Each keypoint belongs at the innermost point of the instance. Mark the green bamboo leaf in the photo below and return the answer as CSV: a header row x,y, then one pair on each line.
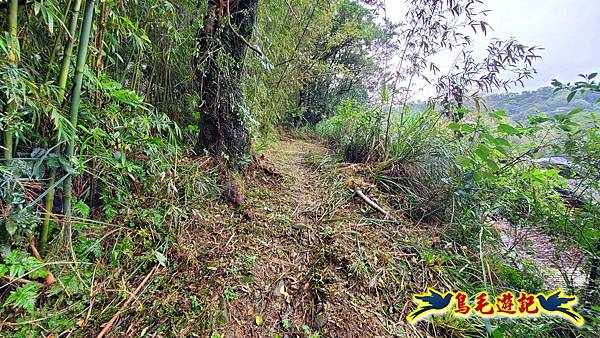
x,y
502,150
467,128
3,270
454,126
50,22
492,164
499,141
507,129
575,111
482,151
499,114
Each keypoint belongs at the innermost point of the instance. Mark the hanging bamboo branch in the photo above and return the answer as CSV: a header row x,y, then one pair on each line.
x,y
84,40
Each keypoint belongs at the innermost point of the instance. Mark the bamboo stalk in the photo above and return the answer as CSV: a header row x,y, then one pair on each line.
x,y
100,47
13,11
8,139
66,62
47,213
84,40
62,85
12,57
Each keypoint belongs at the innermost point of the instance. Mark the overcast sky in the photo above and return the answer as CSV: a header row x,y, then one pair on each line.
x,y
568,30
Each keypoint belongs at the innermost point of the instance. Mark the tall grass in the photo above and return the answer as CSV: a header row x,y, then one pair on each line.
x,y
355,131
418,165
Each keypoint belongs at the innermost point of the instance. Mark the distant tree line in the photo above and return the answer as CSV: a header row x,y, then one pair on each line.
x,y
543,100
520,105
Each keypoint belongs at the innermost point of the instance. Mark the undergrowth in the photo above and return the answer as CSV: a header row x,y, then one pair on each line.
x,y
136,191
465,175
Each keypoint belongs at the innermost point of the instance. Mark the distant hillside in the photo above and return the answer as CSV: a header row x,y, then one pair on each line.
x,y
543,100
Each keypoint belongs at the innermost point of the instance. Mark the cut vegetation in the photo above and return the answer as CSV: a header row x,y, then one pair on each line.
x,y
245,168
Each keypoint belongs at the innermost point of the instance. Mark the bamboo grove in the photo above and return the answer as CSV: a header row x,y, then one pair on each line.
x,y
68,58
127,124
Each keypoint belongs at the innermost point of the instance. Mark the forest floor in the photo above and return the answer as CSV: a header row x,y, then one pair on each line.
x,y
304,258
314,259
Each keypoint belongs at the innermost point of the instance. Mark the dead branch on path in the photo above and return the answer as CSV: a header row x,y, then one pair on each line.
x,y
369,201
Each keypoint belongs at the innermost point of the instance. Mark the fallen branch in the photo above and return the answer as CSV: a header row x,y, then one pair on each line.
x,y
370,202
110,323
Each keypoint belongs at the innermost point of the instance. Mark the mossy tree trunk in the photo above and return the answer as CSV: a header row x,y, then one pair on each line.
x,y
222,45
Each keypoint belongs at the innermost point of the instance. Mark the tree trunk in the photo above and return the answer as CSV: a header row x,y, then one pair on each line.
x,y
222,45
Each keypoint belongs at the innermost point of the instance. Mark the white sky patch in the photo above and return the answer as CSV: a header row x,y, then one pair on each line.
x,y
569,32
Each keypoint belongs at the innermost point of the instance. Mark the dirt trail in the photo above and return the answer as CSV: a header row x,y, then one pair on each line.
x,y
315,261
308,263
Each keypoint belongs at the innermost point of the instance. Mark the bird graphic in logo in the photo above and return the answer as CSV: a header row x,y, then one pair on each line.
x,y
430,303
560,304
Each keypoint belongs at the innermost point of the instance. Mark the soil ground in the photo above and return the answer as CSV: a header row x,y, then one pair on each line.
x,y
314,259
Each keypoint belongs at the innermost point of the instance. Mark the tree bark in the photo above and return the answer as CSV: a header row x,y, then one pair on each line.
x,y
222,46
